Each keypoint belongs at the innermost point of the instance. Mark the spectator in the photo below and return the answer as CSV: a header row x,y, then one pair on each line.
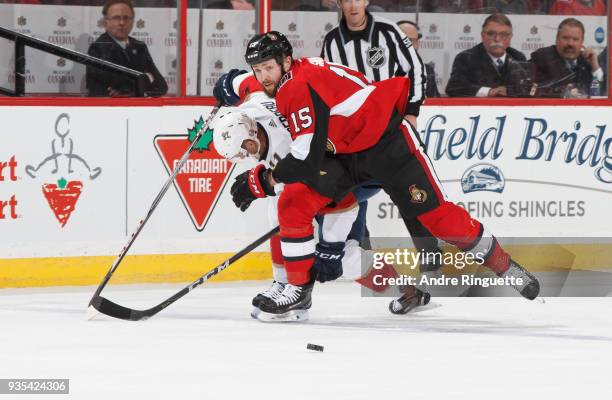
x,y
511,6
413,33
578,7
491,68
115,45
566,62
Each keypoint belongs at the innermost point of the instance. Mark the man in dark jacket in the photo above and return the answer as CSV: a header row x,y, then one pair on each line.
x,y
115,45
567,66
492,68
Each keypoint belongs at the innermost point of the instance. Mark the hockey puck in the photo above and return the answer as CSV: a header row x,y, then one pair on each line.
x,y
314,347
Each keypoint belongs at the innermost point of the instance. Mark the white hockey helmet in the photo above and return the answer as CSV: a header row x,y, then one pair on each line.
x,y
231,130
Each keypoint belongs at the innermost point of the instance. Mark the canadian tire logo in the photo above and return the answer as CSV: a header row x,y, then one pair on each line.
x,y
201,180
67,165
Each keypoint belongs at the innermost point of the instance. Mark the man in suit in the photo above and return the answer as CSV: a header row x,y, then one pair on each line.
x,y
491,68
566,66
115,45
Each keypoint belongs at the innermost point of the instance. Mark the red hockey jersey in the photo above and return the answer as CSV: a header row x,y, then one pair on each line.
x,y
320,98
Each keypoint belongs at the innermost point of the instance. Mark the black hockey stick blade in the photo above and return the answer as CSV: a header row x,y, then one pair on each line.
x,y
115,310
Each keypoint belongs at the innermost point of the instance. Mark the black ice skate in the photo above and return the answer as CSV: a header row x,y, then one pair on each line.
x,y
411,299
271,293
530,287
292,304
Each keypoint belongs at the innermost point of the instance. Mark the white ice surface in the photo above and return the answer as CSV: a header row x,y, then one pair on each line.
x,y
206,346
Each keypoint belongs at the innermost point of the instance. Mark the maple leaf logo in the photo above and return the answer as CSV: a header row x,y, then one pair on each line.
x,y
205,140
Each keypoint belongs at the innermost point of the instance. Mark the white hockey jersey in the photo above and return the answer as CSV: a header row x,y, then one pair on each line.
x,y
263,109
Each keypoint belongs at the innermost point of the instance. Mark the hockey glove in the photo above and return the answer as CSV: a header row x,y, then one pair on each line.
x,y
250,185
224,91
327,265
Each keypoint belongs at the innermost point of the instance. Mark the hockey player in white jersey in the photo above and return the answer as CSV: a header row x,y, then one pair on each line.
x,y
255,130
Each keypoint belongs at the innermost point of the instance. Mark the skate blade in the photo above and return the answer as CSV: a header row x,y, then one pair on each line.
x,y
428,307
290,316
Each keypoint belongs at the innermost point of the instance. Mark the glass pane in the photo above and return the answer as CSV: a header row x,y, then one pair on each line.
x,y
7,65
77,25
451,27
225,33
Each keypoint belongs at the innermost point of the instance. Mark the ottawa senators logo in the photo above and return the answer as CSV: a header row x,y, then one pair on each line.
x,y
417,195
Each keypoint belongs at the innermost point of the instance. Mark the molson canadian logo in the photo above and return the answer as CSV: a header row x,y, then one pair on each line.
x,y
68,166
203,177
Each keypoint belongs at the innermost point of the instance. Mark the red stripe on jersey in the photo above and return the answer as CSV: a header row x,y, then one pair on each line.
x,y
416,150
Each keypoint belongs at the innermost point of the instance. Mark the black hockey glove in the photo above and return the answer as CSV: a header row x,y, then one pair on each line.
x,y
224,91
250,185
328,261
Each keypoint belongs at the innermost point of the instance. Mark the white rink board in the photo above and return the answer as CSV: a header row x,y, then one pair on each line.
x,y
119,141
576,194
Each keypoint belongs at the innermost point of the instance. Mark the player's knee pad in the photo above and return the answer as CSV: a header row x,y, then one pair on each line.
x,y
328,261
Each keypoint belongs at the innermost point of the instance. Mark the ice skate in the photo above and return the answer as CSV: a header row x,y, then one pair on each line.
x,y
272,292
529,287
292,304
411,299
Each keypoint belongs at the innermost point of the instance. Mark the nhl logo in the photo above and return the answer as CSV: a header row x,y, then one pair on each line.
x,y
21,21
467,29
534,30
61,62
61,22
174,24
100,23
433,28
140,24
219,26
173,64
292,27
328,27
376,57
218,64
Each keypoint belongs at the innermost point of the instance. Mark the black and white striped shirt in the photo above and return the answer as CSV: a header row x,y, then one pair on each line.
x,y
380,51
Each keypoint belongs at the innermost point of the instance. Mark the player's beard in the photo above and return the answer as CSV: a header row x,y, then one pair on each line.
x,y
272,92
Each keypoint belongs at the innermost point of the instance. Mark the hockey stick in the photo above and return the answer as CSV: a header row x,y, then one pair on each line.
x,y
115,310
156,201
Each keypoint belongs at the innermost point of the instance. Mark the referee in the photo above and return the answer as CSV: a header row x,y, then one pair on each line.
x,y
380,50
377,48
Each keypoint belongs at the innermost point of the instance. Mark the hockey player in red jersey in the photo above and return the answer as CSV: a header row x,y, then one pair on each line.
x,y
256,131
346,132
